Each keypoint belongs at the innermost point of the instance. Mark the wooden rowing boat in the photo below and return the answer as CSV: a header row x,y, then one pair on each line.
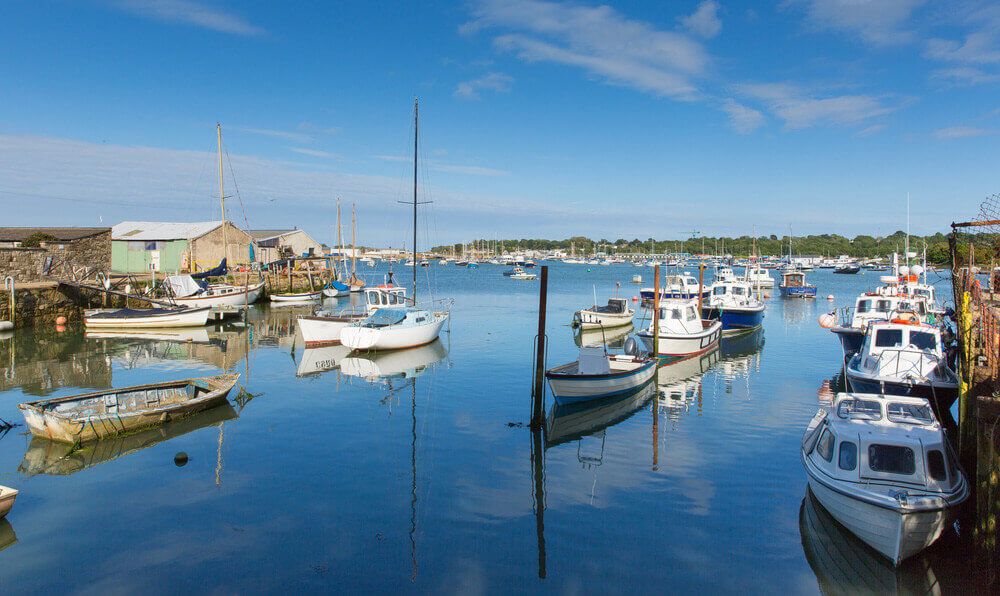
x,y
156,318
90,416
7,496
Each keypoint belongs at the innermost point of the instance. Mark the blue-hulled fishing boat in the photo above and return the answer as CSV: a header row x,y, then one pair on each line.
x,y
793,285
736,305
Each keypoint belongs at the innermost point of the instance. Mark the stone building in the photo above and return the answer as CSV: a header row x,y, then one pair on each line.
x,y
277,244
139,246
38,254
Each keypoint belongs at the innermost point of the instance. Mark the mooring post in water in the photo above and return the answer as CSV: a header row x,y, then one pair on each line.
x,y
656,311
538,395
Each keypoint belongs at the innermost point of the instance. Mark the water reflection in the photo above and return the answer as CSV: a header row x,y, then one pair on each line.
x,y
740,358
679,384
843,564
7,536
318,360
613,338
42,362
62,459
218,347
575,421
393,364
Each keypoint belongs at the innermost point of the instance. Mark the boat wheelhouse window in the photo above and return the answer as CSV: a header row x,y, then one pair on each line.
x,y
848,458
859,409
864,306
889,338
923,340
935,465
739,291
719,290
892,459
825,445
883,305
690,315
909,413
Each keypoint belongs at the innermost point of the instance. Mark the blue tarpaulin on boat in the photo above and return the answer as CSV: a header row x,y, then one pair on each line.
x,y
220,270
384,317
336,285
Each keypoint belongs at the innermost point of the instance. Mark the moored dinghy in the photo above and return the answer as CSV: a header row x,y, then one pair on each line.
x,y
597,374
296,297
615,314
7,496
137,318
89,416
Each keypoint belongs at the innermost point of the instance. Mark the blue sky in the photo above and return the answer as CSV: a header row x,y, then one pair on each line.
x,y
538,119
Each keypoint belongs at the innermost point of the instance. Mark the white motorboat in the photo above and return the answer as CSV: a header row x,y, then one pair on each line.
x,y
615,314
903,357
759,277
520,273
187,292
677,286
296,297
135,318
323,328
597,375
637,279
736,304
882,467
724,274
682,331
883,304
394,328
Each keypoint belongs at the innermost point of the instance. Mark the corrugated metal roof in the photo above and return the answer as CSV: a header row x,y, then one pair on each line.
x,y
268,234
161,230
65,234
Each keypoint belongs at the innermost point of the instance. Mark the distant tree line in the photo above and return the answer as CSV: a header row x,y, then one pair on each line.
x,y
830,245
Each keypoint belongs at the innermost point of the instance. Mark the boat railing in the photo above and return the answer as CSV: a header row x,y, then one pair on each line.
x,y
922,364
847,316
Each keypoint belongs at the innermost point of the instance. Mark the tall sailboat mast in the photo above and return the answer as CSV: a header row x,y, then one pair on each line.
x,y
222,197
416,125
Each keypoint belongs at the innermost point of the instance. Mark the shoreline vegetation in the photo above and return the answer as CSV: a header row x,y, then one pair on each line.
x,y
823,245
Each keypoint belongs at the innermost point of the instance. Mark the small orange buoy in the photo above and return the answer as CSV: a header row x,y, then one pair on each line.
x,y
60,320
60,328
635,298
830,297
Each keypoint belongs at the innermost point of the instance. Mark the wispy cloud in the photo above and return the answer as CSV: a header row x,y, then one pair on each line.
x,y
599,40
801,109
964,75
979,47
288,135
189,12
438,166
870,130
705,20
961,132
877,22
744,120
314,153
494,81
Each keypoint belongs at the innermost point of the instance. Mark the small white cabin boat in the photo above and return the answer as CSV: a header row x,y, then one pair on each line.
x,y
759,277
881,466
394,328
520,273
682,331
324,327
187,292
615,314
597,375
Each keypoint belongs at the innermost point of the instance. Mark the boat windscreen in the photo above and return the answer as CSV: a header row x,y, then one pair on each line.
x,y
909,413
923,340
384,317
859,409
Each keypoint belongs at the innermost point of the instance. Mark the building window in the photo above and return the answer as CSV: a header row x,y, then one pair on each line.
x,y
136,245
151,245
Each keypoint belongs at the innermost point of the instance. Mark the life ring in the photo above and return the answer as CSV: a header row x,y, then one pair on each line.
x,y
906,319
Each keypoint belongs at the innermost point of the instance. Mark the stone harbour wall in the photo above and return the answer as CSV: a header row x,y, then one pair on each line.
x,y
75,259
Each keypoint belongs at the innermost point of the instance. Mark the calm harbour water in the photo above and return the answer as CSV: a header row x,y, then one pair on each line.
x,y
413,470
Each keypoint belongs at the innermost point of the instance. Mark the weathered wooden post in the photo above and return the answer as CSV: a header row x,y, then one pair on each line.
x,y
538,395
656,311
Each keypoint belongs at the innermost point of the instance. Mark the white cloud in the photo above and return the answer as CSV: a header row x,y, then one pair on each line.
x,y
979,47
438,166
494,81
799,109
878,22
314,152
870,130
744,120
299,137
965,75
705,20
960,132
599,40
190,12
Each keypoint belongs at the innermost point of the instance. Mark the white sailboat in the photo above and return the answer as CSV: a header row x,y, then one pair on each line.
x,y
395,328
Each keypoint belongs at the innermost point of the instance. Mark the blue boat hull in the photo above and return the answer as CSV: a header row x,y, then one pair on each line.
x,y
798,292
735,319
850,339
941,399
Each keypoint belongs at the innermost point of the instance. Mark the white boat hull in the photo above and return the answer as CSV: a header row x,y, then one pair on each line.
x,y
895,535
238,297
568,390
322,331
304,297
685,345
392,337
335,293
594,320
182,318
